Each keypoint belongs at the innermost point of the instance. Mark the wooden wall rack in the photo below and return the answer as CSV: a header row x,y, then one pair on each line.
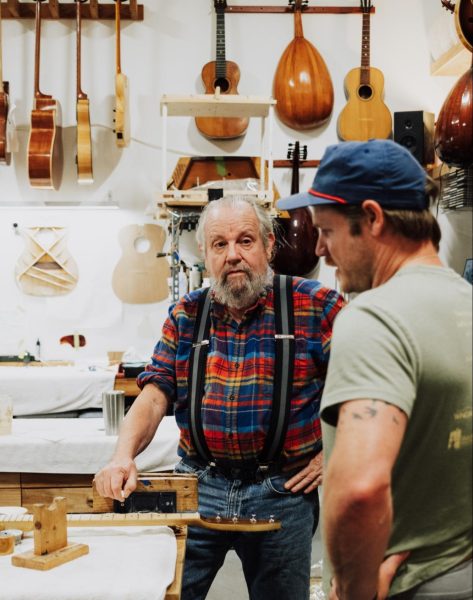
x,y
287,164
53,9
290,9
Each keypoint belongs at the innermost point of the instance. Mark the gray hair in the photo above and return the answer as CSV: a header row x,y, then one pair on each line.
x,y
266,225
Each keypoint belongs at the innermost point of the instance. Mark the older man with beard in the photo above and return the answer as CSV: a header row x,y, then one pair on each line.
x,y
248,460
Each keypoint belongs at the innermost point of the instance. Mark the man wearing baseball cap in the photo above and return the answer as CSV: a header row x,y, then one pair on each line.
x,y
397,403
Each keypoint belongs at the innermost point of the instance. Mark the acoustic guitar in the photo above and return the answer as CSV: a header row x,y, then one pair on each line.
x,y
122,91
224,75
45,158
83,137
4,154
463,10
365,115
296,236
302,84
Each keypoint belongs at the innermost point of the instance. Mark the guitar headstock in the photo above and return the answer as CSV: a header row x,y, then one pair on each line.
x,y
298,4
365,6
448,5
220,5
296,152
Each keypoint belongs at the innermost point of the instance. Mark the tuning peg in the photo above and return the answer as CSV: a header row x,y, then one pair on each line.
x,y
271,519
235,518
253,519
218,518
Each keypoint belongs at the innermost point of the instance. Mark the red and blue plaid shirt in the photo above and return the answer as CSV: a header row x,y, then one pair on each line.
x,y
236,406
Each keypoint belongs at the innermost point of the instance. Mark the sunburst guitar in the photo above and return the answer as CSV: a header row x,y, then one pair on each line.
x,y
365,115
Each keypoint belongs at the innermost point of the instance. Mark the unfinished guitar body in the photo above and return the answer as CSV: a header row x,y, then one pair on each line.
x,y
84,143
365,116
45,268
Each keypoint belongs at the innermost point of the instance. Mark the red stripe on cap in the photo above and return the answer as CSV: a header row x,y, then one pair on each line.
x,y
334,198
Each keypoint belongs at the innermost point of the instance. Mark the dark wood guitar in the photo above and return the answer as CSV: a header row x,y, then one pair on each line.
x,y
365,115
463,10
296,235
45,158
302,84
83,138
122,91
4,154
224,75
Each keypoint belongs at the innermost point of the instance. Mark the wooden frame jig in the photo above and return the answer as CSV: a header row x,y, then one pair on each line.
x,y
53,9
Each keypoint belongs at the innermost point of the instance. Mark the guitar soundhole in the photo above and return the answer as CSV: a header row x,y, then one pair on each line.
x,y
365,92
223,84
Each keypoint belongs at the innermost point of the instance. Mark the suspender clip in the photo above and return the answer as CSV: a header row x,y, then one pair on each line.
x,y
283,336
202,343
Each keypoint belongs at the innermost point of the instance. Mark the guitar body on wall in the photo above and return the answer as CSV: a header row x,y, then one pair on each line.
x,y
224,75
122,92
4,154
365,115
45,156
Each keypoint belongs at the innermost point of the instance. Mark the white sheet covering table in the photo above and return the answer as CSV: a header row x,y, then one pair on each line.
x,y
78,446
43,390
124,563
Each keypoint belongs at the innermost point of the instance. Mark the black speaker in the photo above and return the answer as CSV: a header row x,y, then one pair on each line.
x,y
414,129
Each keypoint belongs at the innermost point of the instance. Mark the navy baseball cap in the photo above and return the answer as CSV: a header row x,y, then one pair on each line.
x,y
351,172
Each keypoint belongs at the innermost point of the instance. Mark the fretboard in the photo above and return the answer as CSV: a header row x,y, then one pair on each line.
x,y
365,48
221,69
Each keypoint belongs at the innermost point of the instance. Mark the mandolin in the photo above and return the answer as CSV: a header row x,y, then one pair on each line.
x,y
4,154
296,236
83,138
122,107
221,75
463,10
365,115
302,84
45,158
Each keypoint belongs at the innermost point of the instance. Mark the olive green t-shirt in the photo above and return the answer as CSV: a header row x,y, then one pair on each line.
x,y
409,343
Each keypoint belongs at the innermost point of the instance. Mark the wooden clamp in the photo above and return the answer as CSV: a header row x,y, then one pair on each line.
x,y
50,539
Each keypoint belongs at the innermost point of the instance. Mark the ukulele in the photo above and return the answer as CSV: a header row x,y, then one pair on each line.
x,y
463,10
4,154
45,159
122,107
83,138
365,115
302,84
296,236
224,75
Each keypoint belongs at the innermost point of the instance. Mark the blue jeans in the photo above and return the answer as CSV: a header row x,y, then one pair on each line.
x,y
276,564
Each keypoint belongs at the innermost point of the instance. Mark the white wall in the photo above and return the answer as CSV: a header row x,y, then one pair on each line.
x,y
164,54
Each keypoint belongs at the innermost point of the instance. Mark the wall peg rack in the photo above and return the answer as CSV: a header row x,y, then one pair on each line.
x,y
53,9
290,9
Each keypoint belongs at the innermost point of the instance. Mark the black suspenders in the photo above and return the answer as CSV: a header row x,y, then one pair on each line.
x,y
283,376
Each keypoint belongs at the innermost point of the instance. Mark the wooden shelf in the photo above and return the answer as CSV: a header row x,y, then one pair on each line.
x,y
290,9
216,105
454,61
52,9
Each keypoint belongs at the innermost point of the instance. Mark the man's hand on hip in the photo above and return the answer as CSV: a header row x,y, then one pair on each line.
x,y
309,478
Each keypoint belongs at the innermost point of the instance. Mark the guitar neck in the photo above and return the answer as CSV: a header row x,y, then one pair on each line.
x,y
365,49
221,67
1,60
37,49
80,94
117,37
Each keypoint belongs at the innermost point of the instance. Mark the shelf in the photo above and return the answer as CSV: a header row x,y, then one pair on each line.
x,y
290,9
454,61
52,9
216,105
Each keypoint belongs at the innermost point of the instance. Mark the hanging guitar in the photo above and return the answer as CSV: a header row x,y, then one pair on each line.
x,y
122,108
453,138
4,89
296,235
83,139
365,115
463,10
302,84
223,75
45,159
